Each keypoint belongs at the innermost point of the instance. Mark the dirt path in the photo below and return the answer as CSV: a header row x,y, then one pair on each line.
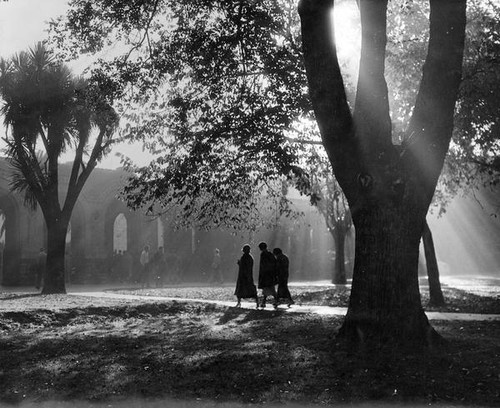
x,y
321,310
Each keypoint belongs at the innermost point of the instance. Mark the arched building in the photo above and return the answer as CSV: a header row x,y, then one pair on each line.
x,y
102,227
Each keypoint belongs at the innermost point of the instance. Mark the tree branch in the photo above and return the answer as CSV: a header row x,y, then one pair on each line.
x,y
326,85
85,173
327,91
43,137
75,170
35,165
146,32
371,112
431,125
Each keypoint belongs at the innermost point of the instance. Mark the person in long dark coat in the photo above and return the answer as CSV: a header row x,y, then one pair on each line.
x,y
267,275
245,287
282,268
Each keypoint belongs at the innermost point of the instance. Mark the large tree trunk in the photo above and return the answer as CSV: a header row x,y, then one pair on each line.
x,y
388,189
339,275
385,304
54,281
435,292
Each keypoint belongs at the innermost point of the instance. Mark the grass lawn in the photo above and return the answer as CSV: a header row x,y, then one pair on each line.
x,y
73,348
457,300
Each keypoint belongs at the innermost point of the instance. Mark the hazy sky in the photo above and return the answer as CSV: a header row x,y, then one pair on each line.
x,y
22,24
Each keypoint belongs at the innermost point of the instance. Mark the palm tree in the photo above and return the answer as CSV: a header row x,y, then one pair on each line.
x,y
49,111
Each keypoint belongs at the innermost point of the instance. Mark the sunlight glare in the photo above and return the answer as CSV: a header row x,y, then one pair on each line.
x,y
466,236
348,38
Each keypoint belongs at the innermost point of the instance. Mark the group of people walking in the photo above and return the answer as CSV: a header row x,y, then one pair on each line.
x,y
273,270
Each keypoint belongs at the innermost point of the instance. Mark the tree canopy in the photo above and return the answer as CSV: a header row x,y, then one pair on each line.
x,y
214,89
472,159
220,88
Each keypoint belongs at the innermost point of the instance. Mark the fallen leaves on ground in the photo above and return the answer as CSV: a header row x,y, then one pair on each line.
x,y
69,347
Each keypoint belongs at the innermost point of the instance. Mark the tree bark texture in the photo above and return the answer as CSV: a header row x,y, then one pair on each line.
x,y
54,281
385,304
388,188
436,297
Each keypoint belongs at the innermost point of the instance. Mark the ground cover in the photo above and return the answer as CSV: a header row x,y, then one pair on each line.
x,y
73,348
457,300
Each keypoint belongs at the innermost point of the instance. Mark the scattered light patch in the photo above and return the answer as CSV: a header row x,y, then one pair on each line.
x,y
258,345
466,237
114,373
299,353
199,357
478,285
66,364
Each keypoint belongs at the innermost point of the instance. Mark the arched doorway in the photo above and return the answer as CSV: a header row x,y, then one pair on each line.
x,y
120,234
10,242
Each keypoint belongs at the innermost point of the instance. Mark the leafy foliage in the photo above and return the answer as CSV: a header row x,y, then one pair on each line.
x,y
477,133
474,150
217,90
212,88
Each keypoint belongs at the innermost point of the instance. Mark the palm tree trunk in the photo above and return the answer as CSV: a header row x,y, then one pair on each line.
x,y
56,246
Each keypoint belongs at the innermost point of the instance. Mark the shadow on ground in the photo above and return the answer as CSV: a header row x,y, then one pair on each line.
x,y
207,352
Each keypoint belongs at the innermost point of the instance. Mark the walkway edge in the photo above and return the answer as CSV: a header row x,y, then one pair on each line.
x,y
320,310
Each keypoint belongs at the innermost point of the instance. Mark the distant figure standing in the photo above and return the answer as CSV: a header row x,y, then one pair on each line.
x,y
159,267
216,270
267,275
245,287
145,266
282,268
41,260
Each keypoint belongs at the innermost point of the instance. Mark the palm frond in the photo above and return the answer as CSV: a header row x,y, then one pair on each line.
x,y
19,182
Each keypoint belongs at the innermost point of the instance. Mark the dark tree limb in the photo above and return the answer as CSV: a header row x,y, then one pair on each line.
x,y
371,112
75,169
431,125
435,292
326,85
327,91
